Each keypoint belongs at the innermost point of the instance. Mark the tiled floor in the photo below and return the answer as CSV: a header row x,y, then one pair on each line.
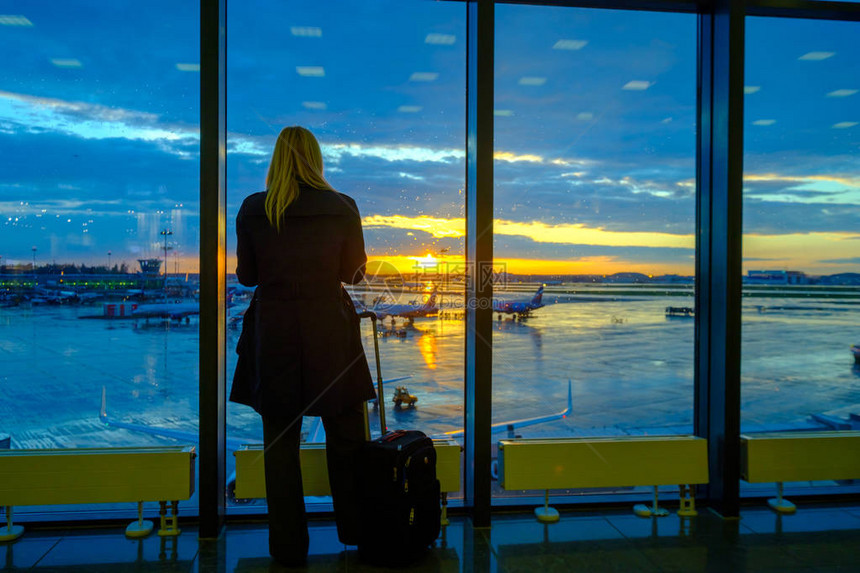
x,y
818,538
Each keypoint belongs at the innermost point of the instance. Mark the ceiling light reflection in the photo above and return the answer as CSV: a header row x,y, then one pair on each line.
x,y
311,71
570,44
637,85
816,56
423,77
532,81
14,20
441,39
306,31
66,63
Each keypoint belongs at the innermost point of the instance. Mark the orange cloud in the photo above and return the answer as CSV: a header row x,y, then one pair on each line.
x,y
565,233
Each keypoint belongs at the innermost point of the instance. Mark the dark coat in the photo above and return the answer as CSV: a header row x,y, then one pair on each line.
x,y
300,349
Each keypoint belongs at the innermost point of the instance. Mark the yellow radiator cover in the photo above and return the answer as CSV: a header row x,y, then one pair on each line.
x,y
251,479
800,456
602,462
96,475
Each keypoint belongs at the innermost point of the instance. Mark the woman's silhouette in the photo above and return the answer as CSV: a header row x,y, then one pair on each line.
x,y
300,350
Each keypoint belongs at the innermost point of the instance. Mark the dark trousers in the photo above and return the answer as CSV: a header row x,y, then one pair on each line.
x,y
288,526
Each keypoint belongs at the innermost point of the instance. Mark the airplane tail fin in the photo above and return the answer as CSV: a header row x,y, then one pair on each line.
x,y
536,299
431,302
569,410
103,411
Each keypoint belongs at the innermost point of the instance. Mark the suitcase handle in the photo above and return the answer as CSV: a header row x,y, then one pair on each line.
x,y
380,395
393,436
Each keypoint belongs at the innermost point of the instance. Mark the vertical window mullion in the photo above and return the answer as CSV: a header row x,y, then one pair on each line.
x,y
213,282
718,262
479,259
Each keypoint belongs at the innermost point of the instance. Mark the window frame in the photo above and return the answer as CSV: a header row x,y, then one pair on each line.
x,y
719,152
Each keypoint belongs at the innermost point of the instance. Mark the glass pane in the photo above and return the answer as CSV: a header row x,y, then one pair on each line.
x,y
100,224
382,87
801,220
595,125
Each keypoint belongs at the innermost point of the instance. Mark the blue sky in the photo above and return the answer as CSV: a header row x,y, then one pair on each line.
x,y
595,130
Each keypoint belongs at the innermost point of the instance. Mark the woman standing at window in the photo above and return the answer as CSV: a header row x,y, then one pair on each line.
x,y
300,350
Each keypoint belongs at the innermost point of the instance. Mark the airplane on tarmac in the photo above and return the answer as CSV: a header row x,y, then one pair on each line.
x,y
408,311
240,290
44,296
520,309
172,310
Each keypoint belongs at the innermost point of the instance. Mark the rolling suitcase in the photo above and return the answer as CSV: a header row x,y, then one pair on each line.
x,y
400,493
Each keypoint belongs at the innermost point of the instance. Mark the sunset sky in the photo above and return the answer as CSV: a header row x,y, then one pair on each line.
x,y
594,143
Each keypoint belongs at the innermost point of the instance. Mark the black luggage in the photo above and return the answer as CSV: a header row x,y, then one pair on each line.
x,y
400,493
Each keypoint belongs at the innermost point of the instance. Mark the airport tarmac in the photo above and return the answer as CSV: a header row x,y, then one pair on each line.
x,y
631,369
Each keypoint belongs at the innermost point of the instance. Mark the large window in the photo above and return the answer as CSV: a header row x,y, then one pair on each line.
x,y
594,171
99,209
594,202
382,86
801,225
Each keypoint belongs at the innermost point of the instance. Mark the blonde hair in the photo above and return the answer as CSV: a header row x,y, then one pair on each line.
x,y
297,159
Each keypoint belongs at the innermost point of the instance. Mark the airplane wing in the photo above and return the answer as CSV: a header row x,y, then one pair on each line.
x,y
513,425
179,435
316,433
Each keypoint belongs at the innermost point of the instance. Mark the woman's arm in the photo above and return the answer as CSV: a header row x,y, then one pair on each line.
x,y
353,258
246,266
